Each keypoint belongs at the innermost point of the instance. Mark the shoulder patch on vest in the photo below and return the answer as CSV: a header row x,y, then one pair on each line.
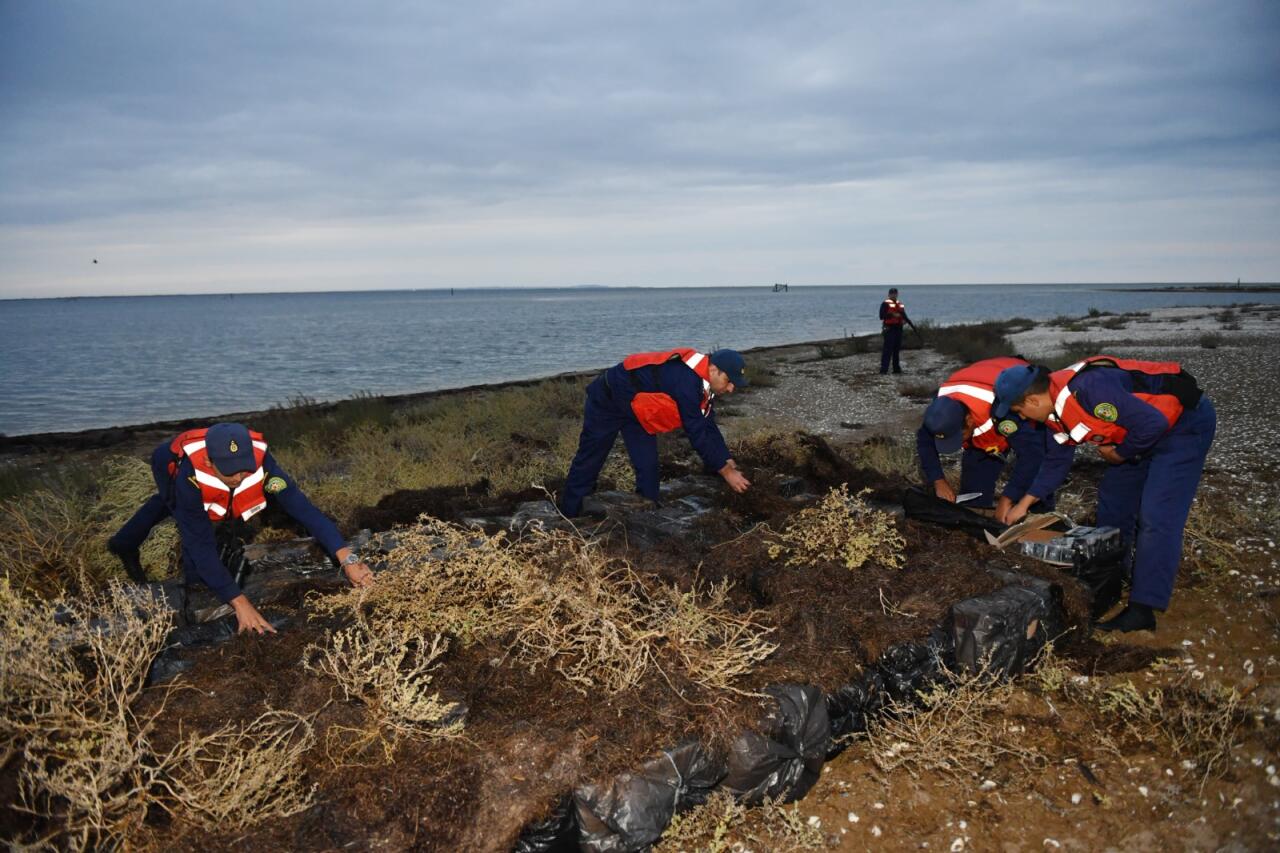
x,y
275,485
1007,427
1106,412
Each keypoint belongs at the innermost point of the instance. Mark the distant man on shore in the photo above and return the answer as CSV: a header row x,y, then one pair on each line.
x,y
1152,422
650,393
205,476
960,416
893,314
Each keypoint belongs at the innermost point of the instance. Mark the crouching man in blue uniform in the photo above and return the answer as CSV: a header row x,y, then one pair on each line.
x,y
1154,426
208,475
960,416
650,393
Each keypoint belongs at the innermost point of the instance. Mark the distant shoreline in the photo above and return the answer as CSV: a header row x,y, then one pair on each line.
x,y
1201,288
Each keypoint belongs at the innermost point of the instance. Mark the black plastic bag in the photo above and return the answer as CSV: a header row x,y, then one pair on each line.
x,y
910,667
784,758
556,833
852,706
1001,632
922,506
632,810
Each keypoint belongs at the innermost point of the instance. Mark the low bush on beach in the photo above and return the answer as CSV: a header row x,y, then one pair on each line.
x,y
1211,340
87,768
564,603
525,436
842,527
971,342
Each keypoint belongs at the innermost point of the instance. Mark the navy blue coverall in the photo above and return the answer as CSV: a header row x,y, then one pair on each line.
x,y
1149,495
179,497
1040,465
892,340
607,412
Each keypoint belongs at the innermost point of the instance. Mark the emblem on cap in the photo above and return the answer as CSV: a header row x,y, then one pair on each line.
x,y
1007,427
1106,411
234,447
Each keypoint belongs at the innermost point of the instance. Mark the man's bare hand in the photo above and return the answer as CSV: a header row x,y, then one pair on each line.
x,y
943,489
359,574
248,617
1003,505
1108,452
734,477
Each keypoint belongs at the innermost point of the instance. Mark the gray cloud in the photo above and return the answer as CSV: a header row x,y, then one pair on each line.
x,y
379,119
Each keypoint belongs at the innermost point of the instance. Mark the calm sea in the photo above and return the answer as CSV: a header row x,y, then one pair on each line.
x,y
70,364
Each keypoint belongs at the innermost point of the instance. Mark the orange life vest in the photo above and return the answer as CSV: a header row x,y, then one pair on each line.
x,y
1074,424
974,386
896,313
657,412
249,497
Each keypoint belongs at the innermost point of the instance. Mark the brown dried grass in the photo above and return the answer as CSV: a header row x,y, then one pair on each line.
x,y
560,602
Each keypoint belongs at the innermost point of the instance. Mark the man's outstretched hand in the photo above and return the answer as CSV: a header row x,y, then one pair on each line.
x,y
734,477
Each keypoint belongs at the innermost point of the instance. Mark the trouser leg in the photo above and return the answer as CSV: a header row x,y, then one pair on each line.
x,y
135,530
886,348
896,337
1177,463
979,471
599,431
643,450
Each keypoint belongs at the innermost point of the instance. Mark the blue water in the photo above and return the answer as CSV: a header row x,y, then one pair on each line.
x,y
69,364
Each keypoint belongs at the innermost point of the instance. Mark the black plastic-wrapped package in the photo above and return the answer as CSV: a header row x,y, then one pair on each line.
x,y
782,759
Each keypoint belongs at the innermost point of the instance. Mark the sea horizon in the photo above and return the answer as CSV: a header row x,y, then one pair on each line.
x,y
77,363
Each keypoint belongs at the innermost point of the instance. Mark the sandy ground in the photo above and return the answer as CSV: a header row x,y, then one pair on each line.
x,y
1226,631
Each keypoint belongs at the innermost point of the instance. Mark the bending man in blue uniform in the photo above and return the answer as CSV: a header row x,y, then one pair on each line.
x,y
1154,426
960,416
205,476
646,394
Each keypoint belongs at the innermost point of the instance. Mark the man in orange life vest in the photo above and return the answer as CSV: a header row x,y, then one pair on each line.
x,y
644,395
207,475
892,315
1151,421
960,416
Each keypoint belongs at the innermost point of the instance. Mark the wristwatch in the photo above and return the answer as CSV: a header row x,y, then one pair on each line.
x,y
351,558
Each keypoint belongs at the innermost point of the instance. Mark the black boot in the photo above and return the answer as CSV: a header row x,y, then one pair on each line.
x,y
1134,617
130,559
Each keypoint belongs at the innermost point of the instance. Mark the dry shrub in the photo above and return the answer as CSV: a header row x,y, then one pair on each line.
x,y
840,527
513,437
72,669
958,727
446,579
46,539
242,773
126,483
561,602
71,672
1211,536
889,457
391,673
56,540
721,824
1199,723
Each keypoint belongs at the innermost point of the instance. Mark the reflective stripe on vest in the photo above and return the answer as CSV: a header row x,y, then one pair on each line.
x,y
1073,424
896,310
249,497
657,411
974,388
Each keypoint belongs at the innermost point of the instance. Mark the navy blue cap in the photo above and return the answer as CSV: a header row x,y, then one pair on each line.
x,y
1011,385
945,419
230,448
731,362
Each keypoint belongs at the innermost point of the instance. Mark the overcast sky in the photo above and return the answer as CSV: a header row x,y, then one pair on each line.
x,y
251,146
